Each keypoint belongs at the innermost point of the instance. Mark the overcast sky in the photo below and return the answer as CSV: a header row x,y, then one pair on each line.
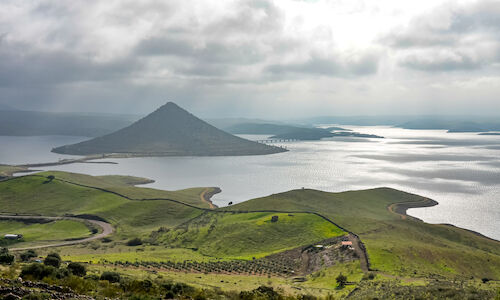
x,y
272,59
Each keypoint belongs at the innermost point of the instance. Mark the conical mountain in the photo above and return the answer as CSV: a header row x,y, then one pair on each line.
x,y
169,131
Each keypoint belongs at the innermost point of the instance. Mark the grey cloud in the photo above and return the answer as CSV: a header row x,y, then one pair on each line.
x,y
211,52
332,66
434,62
18,68
451,38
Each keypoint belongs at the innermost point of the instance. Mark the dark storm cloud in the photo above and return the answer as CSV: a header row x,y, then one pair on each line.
x,y
451,38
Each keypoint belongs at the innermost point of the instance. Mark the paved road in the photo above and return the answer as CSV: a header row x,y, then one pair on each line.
x,y
107,229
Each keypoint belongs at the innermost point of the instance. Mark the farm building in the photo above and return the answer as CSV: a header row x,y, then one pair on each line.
x,y
13,236
347,245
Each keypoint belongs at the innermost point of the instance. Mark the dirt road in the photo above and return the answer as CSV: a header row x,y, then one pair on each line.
x,y
207,194
107,229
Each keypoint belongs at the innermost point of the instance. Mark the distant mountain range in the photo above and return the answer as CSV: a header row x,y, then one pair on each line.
x,y
263,128
169,131
33,123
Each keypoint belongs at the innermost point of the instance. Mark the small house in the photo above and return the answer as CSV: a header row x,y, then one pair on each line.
x,y
346,243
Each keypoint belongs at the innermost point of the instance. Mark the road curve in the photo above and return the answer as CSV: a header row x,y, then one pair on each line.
x,y
107,229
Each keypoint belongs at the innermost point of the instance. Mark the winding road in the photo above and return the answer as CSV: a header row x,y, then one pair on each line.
x,y
107,229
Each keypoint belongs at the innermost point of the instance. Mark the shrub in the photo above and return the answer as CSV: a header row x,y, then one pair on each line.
x,y
37,271
27,255
341,280
110,276
134,242
77,269
262,292
52,259
5,257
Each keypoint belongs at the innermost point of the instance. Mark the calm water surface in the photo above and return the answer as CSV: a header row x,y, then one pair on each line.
x,y
461,170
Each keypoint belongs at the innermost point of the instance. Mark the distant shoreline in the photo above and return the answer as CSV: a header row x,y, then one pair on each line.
x,y
401,209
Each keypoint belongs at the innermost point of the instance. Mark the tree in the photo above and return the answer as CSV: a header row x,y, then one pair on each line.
x,y
341,280
37,271
110,276
5,257
27,255
134,242
77,269
52,259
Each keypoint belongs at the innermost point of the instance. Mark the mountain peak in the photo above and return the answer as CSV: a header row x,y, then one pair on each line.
x,y
169,131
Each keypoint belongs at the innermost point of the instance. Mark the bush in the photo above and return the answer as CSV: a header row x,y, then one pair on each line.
x,y
77,269
134,242
341,280
5,257
37,271
27,255
110,276
262,292
52,259
37,296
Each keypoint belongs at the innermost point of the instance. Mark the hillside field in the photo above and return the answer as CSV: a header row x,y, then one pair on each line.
x,y
264,241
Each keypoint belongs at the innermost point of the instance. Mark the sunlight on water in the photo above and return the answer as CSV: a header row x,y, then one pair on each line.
x,y
459,170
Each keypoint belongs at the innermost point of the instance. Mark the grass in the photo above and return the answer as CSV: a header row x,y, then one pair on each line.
x,y
35,194
403,247
399,247
126,185
52,231
325,279
248,235
131,254
237,282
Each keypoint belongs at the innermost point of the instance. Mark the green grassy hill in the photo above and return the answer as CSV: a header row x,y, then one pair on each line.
x,y
406,254
395,245
76,194
247,235
50,231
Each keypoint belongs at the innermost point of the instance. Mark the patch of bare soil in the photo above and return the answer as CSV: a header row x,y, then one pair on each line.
x,y
312,258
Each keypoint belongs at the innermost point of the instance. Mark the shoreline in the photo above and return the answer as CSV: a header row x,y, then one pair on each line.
x,y
401,208
207,194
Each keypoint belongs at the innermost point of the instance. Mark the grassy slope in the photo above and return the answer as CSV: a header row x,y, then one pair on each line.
x,y
251,234
34,195
143,253
395,245
125,185
57,230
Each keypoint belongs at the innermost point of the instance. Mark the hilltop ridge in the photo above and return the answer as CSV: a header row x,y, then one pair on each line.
x,y
169,131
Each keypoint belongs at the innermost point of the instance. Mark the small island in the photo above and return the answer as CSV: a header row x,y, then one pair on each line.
x,y
168,131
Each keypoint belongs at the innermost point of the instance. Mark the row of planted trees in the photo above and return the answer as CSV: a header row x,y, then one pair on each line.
x,y
256,267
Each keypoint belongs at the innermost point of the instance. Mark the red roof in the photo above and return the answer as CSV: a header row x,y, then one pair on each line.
x,y
346,243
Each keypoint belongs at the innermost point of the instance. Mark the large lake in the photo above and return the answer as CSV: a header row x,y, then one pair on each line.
x,y
459,170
